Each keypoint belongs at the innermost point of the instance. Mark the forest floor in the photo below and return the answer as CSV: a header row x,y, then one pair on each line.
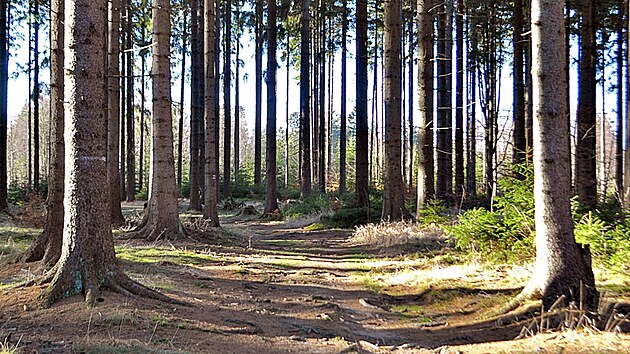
x,y
275,287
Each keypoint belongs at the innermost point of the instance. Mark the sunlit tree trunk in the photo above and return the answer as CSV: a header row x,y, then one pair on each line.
x,y
131,151
563,268
210,108
271,200
343,140
444,173
459,103
237,92
305,128
471,125
180,127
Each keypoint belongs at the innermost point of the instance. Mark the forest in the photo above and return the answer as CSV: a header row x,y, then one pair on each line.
x,y
325,176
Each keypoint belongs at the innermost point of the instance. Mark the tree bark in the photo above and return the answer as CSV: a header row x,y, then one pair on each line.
x,y
227,116
563,267
161,218
4,77
444,173
586,158
343,140
180,127
271,200
211,180
36,89
394,193
519,150
305,127
113,120
237,92
196,102
47,246
88,262
131,144
258,120
426,183
459,103
471,125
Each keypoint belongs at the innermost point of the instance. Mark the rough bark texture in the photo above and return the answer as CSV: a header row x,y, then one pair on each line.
x,y
4,77
271,200
586,158
444,173
394,193
113,109
227,106
211,180
47,247
520,145
305,127
362,198
161,218
87,260
563,267
426,184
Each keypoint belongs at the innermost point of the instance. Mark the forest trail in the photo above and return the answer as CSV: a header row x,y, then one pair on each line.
x,y
267,287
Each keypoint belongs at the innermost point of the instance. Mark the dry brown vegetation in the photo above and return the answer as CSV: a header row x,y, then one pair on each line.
x,y
266,287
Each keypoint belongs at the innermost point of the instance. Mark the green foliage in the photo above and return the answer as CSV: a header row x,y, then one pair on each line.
x,y
17,194
316,203
609,245
434,212
349,217
504,233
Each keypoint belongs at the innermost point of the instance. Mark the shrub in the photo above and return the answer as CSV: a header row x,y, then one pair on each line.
x,y
314,204
349,217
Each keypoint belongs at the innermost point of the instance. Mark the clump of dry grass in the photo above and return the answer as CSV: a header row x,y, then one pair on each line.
x,y
389,234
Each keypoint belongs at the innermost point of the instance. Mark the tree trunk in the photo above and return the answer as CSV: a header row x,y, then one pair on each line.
x,y
459,104
519,150
142,120
4,77
286,132
196,102
227,117
121,103
305,128
271,200
258,120
161,214
113,120
394,193
88,261
322,101
343,140
237,92
426,184
619,145
444,182
36,98
47,247
131,153
180,127
212,176
586,159
411,91
563,267
362,197
471,126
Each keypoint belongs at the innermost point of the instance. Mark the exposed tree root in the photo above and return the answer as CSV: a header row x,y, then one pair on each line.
x,y
273,215
155,233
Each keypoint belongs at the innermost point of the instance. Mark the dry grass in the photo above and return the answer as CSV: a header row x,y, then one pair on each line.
x,y
386,235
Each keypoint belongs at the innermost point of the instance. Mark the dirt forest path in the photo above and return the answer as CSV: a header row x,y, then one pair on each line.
x,y
258,287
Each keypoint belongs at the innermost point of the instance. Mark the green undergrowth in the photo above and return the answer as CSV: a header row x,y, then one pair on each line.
x,y
154,255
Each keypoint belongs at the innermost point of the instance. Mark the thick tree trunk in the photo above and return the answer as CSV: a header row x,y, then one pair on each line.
x,y
563,268
47,247
4,77
305,127
362,197
113,120
161,215
258,120
519,150
586,158
394,193
227,116
444,173
88,261
271,200
426,184
212,176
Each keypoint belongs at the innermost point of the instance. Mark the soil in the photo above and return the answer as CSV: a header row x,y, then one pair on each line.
x,y
264,287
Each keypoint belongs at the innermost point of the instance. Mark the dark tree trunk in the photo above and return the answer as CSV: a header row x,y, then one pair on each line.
x,y
196,102
210,54
227,78
426,182
619,145
586,159
36,152
123,93
131,154
4,77
271,200
258,120
459,104
237,92
471,126
410,64
47,247
305,127
520,144
322,101
362,197
142,112
444,182
113,119
286,132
